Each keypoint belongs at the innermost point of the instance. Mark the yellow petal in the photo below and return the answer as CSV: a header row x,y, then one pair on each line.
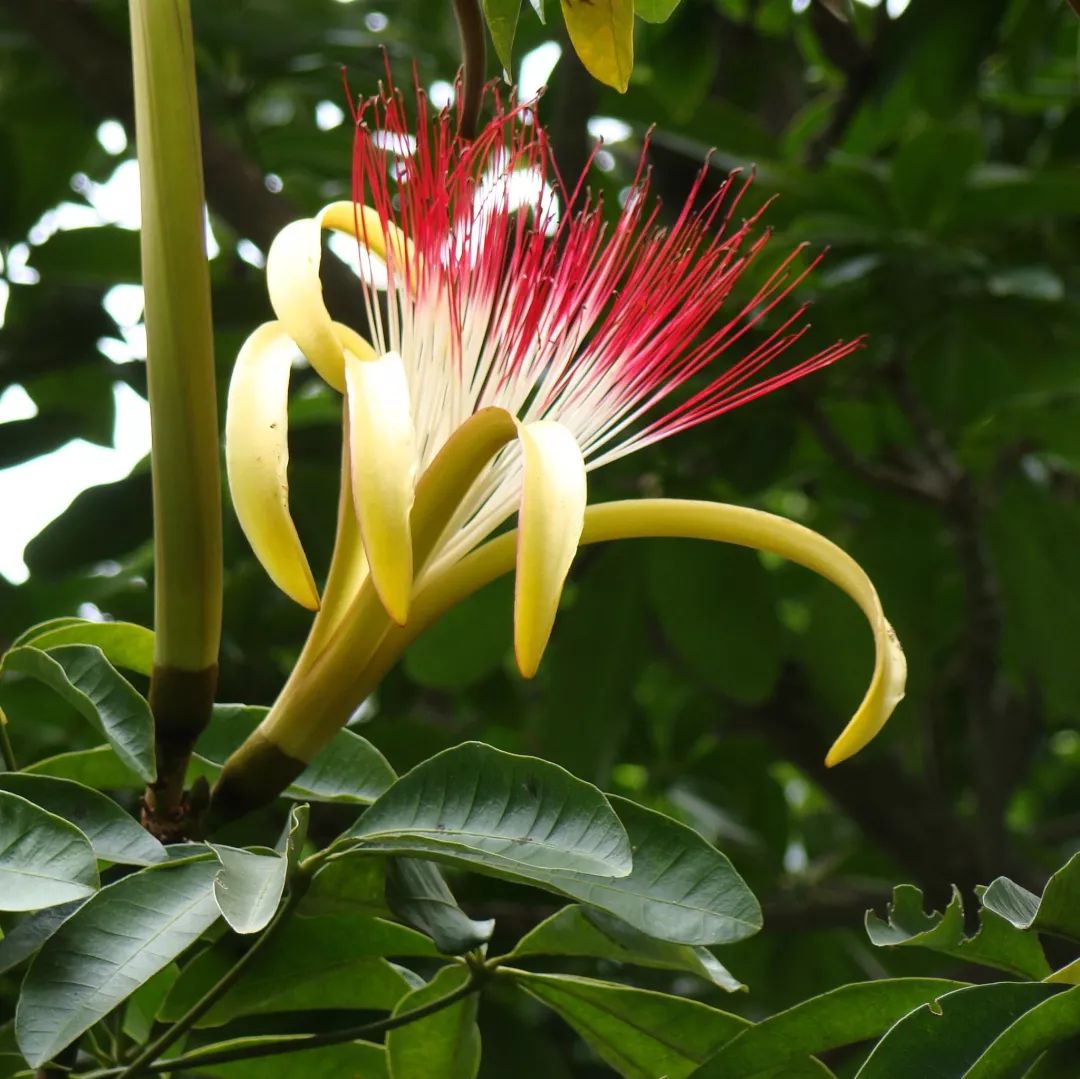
x,y
383,468
602,33
292,278
363,223
257,458
692,520
549,527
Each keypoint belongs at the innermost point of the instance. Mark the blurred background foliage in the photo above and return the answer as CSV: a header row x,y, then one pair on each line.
x,y
934,149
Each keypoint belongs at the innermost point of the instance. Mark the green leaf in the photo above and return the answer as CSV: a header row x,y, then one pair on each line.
x,y
716,609
248,888
579,931
142,1006
294,835
124,644
417,893
478,806
1057,912
1047,1024
44,860
996,944
468,644
32,931
602,33
948,1038
86,680
640,1034
681,888
655,10
502,18
930,172
538,7
346,884
349,770
117,940
114,835
445,1045
315,963
844,1016
99,768
356,1060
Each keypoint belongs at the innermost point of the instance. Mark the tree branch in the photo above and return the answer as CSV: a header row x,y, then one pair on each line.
x,y
473,64
97,63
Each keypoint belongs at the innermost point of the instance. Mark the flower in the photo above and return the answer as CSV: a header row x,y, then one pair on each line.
x,y
519,340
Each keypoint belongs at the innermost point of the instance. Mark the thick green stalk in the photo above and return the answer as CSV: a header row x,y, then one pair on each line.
x,y
183,407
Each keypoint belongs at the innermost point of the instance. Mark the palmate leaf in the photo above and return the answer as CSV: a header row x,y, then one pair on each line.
x,y
44,860
84,678
997,943
844,1016
580,931
445,1045
497,812
113,834
117,940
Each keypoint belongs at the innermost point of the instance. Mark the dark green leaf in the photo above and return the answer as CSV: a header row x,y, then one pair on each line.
x,y
996,944
346,884
114,835
117,940
947,1038
502,17
84,678
445,1045
844,1016
248,888
99,768
417,893
468,644
577,930
44,860
1058,911
640,1034
350,769
655,10
475,805
315,963
21,942
356,1060
681,889
1047,1024
716,609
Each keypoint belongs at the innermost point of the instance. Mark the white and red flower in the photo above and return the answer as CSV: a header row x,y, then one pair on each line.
x,y
520,335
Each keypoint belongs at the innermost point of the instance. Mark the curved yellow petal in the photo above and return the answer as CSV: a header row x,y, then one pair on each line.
x,y
549,527
383,472
257,458
292,279
364,224
692,520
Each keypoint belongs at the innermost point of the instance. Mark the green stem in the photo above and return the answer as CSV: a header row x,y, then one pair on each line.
x,y
143,1062
299,1042
7,753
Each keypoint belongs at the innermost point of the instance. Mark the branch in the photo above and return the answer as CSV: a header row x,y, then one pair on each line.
x,y
300,1042
97,64
143,1063
473,64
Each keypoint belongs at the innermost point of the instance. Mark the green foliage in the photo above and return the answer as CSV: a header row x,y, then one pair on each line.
x,y
935,153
